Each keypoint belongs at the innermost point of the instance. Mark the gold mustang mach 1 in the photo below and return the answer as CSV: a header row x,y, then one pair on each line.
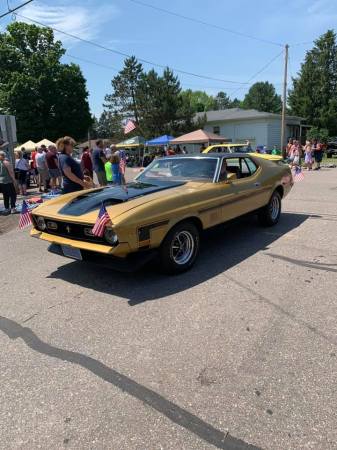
x,y
163,212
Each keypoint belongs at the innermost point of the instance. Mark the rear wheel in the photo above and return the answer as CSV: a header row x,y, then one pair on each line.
x,y
180,248
270,214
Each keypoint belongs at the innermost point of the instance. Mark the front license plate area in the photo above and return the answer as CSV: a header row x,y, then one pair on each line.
x,y
71,252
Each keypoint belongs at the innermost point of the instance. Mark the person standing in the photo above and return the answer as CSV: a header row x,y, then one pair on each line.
x,y
318,154
53,167
73,178
33,165
41,166
7,184
308,159
86,162
22,166
98,162
289,147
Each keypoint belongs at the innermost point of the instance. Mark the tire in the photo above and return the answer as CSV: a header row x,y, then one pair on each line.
x,y
173,259
270,214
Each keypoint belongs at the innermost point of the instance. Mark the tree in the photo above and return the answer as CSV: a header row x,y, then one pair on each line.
x,y
314,93
320,134
262,96
236,103
123,100
199,101
159,102
222,101
49,99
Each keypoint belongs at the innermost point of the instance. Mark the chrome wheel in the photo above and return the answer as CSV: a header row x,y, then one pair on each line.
x,y
182,247
274,207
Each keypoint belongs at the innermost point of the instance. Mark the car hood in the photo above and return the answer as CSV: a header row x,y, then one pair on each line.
x,y
117,199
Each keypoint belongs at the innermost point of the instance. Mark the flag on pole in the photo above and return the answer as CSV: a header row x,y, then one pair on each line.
x,y
129,126
298,174
25,216
102,220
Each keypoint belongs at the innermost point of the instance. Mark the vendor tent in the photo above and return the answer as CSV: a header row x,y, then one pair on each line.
x,y
161,140
45,142
136,141
198,137
28,146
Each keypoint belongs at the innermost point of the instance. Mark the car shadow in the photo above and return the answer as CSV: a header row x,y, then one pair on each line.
x,y
221,248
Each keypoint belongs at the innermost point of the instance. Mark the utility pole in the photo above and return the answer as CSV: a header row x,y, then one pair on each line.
x,y
284,99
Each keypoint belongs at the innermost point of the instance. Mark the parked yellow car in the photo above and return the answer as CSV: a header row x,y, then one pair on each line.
x,y
239,148
163,212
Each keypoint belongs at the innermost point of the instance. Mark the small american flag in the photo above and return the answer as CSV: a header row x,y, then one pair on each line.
x,y
129,126
25,216
101,222
298,174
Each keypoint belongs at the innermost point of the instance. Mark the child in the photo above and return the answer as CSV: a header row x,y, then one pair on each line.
x,y
308,159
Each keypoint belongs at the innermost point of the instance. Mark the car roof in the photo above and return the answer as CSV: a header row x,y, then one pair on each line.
x,y
209,155
228,144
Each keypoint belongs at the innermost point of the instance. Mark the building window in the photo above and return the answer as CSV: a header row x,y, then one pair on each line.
x,y
216,130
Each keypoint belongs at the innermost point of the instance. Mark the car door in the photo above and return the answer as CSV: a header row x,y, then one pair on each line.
x,y
245,191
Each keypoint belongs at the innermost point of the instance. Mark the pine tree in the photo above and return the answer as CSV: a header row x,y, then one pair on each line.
x,y
123,100
314,93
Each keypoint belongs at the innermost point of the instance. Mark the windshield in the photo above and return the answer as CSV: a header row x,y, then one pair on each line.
x,y
180,169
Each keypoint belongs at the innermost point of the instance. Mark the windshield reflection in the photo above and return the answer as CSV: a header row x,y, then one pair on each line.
x,y
180,169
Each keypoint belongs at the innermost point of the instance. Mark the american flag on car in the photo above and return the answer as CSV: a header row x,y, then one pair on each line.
x,y
101,222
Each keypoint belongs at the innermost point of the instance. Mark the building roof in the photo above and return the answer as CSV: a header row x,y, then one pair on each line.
x,y
198,137
240,114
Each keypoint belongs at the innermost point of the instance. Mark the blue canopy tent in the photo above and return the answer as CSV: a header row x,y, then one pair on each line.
x,y
161,140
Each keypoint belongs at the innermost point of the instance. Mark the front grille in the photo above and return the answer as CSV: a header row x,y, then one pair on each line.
x,y
72,230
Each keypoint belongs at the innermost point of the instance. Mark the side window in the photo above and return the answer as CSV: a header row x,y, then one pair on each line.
x,y
252,166
216,130
245,172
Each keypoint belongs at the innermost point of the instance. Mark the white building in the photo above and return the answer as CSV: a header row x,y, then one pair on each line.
x,y
260,128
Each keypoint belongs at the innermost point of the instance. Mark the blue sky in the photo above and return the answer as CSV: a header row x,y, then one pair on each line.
x,y
152,35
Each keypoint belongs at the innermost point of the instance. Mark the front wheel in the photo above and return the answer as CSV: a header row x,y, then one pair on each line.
x,y
270,214
180,248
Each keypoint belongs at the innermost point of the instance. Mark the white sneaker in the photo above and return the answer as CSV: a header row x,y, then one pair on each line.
x,y
14,211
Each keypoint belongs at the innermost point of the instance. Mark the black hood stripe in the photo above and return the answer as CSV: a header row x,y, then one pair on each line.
x,y
112,195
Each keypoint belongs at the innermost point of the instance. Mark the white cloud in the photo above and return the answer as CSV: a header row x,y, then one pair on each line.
x,y
83,21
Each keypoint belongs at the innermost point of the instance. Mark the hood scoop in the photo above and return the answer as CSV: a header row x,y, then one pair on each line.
x,y
91,201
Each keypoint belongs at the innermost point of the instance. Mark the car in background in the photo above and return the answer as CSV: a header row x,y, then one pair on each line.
x,y
163,212
331,149
226,148
239,148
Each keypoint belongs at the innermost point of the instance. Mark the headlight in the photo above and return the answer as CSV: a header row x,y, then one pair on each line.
x,y
110,236
40,223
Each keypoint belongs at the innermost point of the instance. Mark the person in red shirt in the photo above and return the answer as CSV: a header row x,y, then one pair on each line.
x,y
86,162
53,166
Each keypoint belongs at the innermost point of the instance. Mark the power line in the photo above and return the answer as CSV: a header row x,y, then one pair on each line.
x,y
92,62
260,71
145,61
105,66
10,11
218,27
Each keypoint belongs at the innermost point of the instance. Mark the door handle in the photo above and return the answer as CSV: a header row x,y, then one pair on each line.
x,y
257,184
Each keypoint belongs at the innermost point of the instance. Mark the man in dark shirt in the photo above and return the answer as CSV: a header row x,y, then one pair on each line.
x,y
98,161
53,166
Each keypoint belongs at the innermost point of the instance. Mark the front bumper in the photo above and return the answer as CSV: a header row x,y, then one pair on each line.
x,y
131,263
121,250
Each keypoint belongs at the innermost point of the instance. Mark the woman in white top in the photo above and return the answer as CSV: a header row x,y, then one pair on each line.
x,y
22,168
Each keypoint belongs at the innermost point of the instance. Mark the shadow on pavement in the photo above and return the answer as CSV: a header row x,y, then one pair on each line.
x,y
221,249
151,398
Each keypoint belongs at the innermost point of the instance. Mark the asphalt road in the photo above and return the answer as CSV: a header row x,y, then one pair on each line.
x,y
239,353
